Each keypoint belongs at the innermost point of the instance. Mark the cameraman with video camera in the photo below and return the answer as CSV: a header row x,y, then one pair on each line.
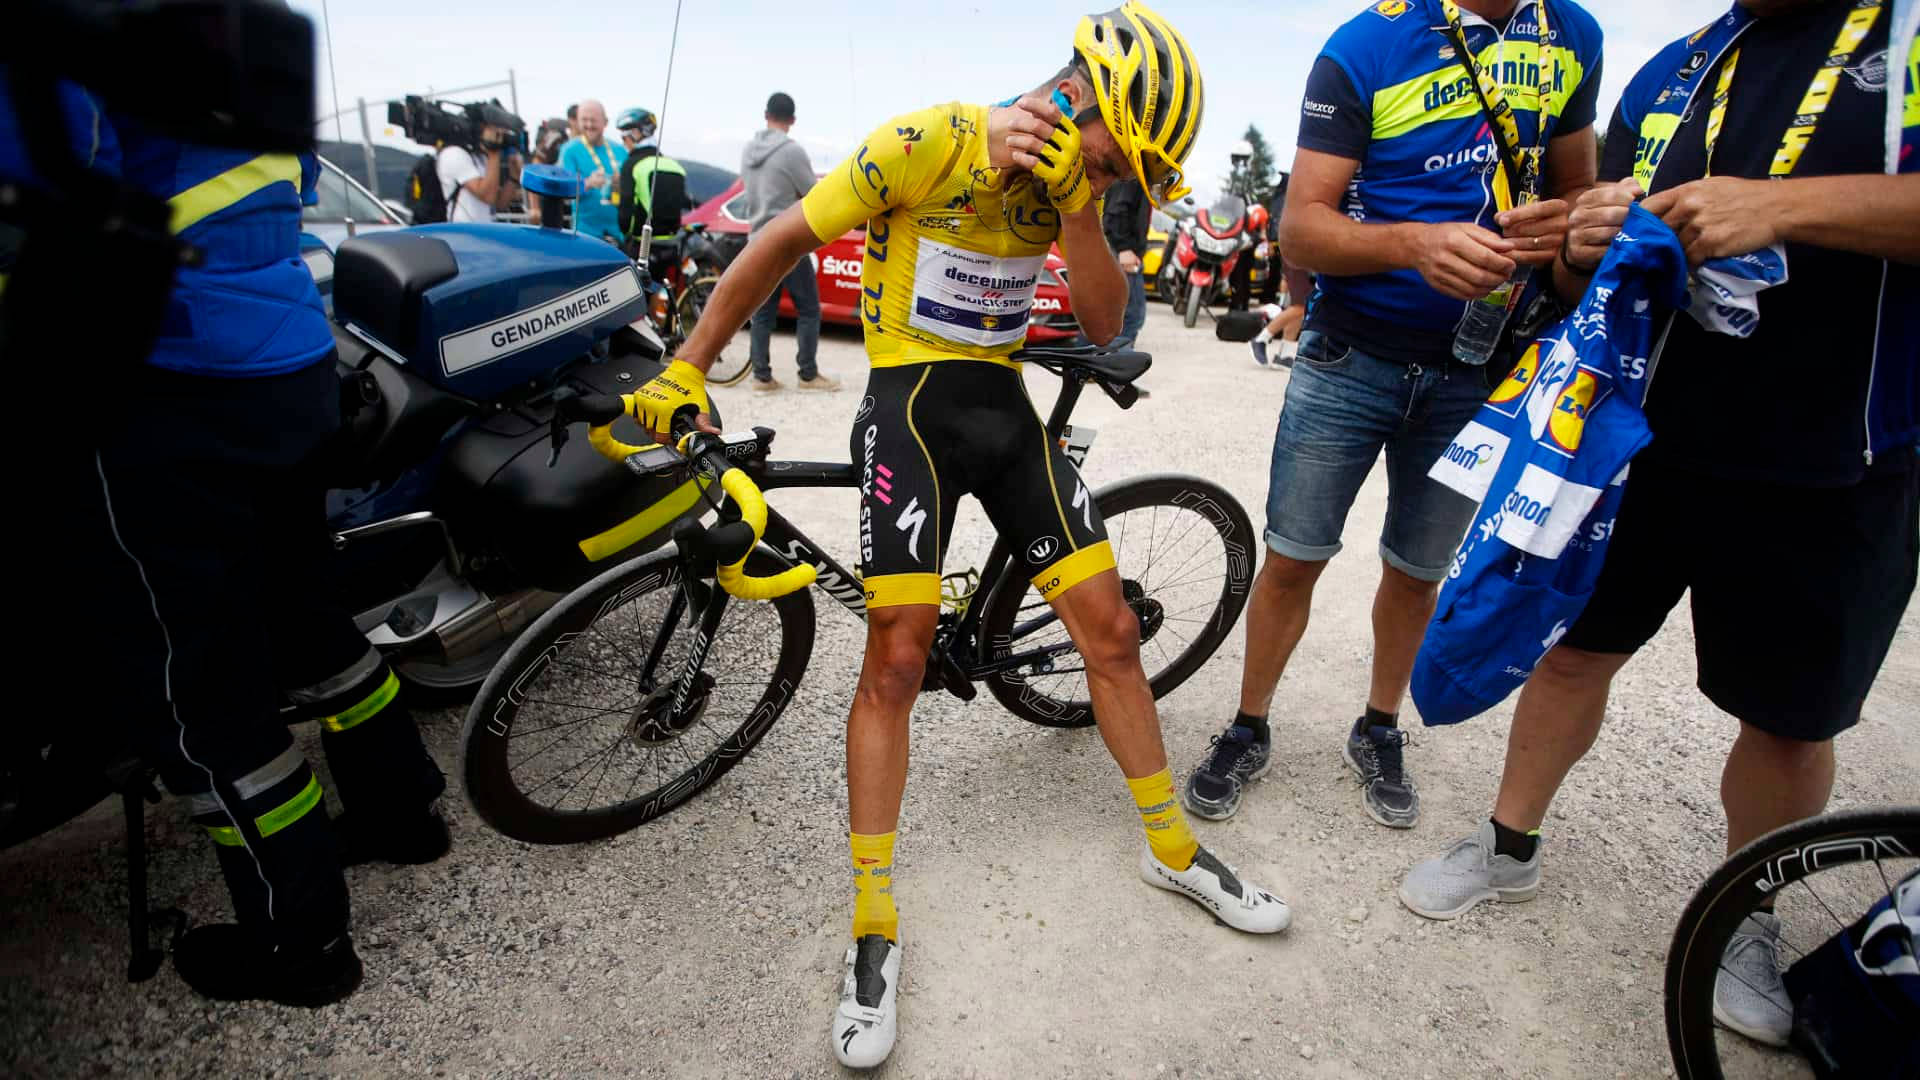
x,y
475,180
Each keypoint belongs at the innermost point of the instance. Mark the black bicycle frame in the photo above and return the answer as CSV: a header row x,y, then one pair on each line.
x,y
834,579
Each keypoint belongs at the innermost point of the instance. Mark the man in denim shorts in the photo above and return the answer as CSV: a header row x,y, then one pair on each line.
x,y
1393,205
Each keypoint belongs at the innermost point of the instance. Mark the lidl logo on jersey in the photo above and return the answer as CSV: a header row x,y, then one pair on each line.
x,y
1513,389
1568,421
1391,9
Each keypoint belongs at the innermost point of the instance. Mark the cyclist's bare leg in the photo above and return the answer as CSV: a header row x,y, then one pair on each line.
x,y
1107,633
1401,607
1554,725
1276,619
890,678
1771,781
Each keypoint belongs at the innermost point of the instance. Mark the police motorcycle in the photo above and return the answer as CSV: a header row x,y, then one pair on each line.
x,y
455,524
1205,252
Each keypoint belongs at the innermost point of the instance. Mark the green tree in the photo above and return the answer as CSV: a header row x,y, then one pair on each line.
x,y
1257,185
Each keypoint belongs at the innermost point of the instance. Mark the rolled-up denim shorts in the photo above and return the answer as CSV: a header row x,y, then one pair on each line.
x,y
1342,407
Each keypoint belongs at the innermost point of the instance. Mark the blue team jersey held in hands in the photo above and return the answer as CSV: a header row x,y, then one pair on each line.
x,y
1547,457
1389,92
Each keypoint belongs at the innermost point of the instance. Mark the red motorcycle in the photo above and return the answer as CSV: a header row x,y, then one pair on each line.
x,y
1204,254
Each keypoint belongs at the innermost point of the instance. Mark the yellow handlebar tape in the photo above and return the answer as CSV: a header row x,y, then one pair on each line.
x,y
753,510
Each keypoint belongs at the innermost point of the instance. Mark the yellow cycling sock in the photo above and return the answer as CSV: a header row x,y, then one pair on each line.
x,y
1167,833
873,910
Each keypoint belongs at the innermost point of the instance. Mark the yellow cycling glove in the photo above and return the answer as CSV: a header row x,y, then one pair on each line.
x,y
1062,170
680,386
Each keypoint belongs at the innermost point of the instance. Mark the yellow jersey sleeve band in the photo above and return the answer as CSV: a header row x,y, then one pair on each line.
x,y
954,248
1077,567
901,590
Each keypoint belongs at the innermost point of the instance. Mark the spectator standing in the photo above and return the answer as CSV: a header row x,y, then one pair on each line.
x,y
599,164
1775,124
1287,321
1392,202
1124,219
550,210
653,189
776,173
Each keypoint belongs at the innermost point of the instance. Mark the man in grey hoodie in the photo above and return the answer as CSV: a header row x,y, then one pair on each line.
x,y
777,173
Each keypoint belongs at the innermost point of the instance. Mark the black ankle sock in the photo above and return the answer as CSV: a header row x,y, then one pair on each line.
x,y
1255,724
1513,842
1376,717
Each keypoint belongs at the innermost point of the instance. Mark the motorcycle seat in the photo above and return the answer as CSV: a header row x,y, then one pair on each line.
x,y
378,281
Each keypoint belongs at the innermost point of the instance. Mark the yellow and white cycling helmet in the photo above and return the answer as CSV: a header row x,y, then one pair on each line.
x,y
1148,85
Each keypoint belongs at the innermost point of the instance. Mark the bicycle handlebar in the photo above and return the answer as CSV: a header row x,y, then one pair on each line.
x,y
601,410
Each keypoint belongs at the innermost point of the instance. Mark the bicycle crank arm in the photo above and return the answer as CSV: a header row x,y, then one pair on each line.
x,y
998,664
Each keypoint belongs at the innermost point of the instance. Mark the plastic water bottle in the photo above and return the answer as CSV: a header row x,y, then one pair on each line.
x,y
1479,331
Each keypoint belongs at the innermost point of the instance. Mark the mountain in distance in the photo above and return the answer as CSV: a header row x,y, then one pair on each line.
x,y
704,181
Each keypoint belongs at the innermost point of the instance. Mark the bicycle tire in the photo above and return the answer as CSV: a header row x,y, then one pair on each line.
x,y
1184,495
726,369
1772,862
487,768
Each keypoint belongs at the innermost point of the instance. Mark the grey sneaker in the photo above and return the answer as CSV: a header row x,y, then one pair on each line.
x,y
1470,871
1235,760
1749,996
1375,754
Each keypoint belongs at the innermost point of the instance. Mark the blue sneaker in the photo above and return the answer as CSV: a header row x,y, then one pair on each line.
x,y
1259,352
1375,755
1236,760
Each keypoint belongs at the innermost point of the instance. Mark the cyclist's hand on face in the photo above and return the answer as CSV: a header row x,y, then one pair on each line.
x,y
1018,133
1597,215
1463,261
654,405
1062,168
1720,216
1536,230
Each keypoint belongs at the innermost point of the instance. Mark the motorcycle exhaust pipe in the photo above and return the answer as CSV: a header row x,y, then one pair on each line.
x,y
486,624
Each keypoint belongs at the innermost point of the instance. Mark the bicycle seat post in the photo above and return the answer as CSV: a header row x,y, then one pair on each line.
x,y
1072,382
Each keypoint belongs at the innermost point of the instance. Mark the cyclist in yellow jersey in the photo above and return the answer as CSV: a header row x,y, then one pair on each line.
x,y
961,204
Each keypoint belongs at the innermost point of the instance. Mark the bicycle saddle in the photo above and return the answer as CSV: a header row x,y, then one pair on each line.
x,y
1120,367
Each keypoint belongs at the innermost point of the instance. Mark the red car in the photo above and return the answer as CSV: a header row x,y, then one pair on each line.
x,y
837,267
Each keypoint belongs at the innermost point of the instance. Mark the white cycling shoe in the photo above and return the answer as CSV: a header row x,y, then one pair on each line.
x,y
1213,885
868,1017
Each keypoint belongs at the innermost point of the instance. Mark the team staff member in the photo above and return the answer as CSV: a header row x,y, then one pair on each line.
x,y
1397,202
1767,126
205,548
954,197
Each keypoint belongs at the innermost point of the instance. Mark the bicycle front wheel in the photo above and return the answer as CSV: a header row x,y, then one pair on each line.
x,y
1185,553
1822,874
576,737
727,368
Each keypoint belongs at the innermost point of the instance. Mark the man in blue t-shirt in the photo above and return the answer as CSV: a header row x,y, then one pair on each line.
x,y
598,162
1400,204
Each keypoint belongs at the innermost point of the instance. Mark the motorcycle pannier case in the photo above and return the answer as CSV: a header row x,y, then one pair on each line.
x,y
556,527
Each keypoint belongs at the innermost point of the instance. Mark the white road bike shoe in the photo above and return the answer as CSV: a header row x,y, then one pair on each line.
x,y
868,1017
1214,886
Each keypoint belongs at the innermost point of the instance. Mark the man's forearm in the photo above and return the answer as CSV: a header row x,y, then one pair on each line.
x,y
1871,215
487,188
747,283
1096,287
1319,238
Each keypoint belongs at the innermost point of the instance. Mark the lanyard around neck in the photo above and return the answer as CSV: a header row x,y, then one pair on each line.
x,y
1520,165
606,164
1813,105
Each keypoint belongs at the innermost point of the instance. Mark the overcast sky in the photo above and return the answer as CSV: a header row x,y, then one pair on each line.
x,y
849,65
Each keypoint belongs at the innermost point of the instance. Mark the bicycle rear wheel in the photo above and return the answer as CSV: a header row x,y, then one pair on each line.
x,y
568,743
1185,552
1823,873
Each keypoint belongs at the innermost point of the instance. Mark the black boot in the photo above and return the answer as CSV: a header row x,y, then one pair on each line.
x,y
413,840
226,963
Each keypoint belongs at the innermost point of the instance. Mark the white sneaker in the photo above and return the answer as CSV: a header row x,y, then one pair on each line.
x,y
868,1017
1213,885
1749,996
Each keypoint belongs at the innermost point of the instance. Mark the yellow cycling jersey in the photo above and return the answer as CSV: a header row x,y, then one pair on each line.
x,y
954,248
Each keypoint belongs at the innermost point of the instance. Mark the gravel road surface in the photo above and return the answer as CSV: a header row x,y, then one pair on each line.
x,y
709,943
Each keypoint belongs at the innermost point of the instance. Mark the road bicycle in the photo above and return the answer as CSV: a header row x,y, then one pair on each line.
x,y
1822,875
647,684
